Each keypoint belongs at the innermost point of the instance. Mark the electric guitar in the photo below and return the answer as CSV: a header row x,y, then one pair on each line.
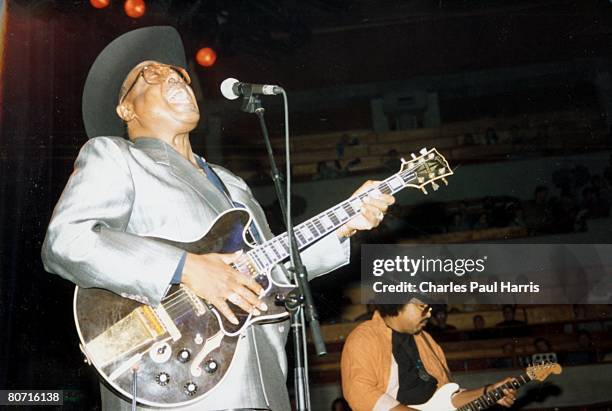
x,y
183,348
441,400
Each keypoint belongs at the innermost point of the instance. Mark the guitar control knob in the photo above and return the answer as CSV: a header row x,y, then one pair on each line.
x,y
211,366
190,389
162,378
184,355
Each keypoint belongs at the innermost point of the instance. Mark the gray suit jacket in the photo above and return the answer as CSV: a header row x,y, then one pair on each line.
x,y
121,192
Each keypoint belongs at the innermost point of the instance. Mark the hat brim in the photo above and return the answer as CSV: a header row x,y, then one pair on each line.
x,y
101,91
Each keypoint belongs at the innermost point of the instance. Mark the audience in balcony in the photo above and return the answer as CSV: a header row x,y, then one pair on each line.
x,y
480,332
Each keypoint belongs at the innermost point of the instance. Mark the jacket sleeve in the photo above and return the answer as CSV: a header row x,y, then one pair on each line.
x,y
87,242
359,365
326,255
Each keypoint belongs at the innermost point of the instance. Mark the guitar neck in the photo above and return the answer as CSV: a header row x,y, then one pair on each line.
x,y
489,399
276,250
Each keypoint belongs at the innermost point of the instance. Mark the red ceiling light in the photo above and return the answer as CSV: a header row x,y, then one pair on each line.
x,y
99,4
206,57
134,8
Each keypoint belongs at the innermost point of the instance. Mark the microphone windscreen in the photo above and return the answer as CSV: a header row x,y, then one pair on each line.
x,y
227,88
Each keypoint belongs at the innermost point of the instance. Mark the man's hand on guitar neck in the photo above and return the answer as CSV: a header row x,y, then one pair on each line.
x,y
464,397
212,277
373,211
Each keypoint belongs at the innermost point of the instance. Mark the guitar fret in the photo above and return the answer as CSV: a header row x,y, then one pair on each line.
x,y
278,247
349,209
341,213
264,256
385,188
271,247
333,218
312,228
255,257
300,237
306,232
395,183
327,222
319,226
356,204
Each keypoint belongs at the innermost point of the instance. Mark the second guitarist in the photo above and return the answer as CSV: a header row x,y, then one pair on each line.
x,y
389,361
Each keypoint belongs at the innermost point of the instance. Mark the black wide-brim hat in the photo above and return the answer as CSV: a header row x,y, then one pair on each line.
x,y
101,91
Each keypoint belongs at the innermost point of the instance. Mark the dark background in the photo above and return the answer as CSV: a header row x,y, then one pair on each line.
x,y
326,52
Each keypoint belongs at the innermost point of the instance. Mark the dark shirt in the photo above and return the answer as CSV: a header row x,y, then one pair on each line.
x,y
416,386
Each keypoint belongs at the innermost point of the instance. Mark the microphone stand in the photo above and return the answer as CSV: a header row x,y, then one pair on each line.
x,y
298,302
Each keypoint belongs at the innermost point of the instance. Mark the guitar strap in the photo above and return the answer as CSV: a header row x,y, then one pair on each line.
x,y
217,182
442,364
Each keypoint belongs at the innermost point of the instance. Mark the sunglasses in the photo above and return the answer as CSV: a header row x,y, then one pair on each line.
x,y
157,74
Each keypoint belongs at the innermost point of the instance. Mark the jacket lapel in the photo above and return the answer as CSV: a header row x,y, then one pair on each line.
x,y
184,171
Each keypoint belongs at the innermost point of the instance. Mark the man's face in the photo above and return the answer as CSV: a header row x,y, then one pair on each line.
x,y
160,97
412,318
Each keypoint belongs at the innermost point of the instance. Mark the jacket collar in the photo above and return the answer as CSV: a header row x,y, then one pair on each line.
x,y
182,169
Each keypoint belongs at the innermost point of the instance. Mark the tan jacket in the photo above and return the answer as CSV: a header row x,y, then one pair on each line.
x,y
369,371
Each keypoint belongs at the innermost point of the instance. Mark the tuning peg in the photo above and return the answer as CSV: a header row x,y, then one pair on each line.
x,y
434,186
424,191
423,151
413,156
403,160
445,181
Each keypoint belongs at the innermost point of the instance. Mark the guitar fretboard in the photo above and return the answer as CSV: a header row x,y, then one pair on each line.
x,y
489,399
276,250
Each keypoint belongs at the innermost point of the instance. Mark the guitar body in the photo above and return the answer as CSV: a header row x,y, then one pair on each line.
x,y
183,348
441,400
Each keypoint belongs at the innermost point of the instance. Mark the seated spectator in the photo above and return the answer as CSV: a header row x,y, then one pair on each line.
x,y
479,332
509,312
482,223
585,354
515,215
537,212
340,404
437,325
543,351
511,327
491,136
459,223
326,171
542,345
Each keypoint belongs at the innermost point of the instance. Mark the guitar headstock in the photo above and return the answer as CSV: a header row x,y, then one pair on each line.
x,y
428,167
541,372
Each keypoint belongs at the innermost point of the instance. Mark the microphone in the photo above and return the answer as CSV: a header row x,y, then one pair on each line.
x,y
232,89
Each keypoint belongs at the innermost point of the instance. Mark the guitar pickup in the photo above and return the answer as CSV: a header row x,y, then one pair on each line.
x,y
195,301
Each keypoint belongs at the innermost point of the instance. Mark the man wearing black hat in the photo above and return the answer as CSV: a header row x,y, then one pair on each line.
x,y
123,193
